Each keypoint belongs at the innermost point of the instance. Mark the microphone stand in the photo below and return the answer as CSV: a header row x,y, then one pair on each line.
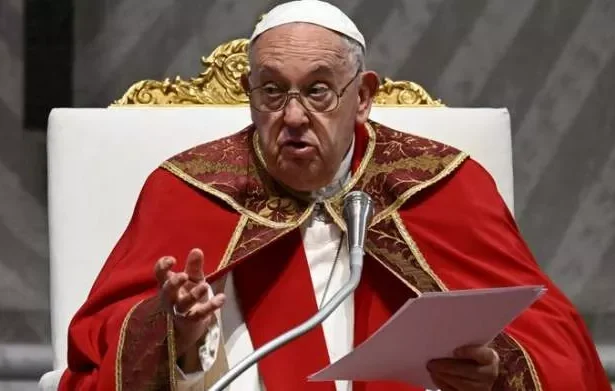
x,y
360,215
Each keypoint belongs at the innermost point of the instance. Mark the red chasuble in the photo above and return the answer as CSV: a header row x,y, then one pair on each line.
x,y
439,224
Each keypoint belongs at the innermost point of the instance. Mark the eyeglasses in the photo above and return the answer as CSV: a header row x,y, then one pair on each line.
x,y
270,97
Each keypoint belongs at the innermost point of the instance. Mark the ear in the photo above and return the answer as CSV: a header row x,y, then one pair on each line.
x,y
367,90
245,82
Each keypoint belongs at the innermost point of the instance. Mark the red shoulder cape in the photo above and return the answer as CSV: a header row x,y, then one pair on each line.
x,y
439,224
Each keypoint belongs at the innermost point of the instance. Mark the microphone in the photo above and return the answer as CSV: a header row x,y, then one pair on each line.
x,y
357,212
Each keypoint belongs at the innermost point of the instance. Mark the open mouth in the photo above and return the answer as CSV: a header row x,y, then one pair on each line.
x,y
298,150
296,144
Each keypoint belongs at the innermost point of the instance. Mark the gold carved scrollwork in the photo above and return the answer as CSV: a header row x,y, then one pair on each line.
x,y
405,93
219,83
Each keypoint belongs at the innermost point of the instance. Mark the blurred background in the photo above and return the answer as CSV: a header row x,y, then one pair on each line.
x,y
550,62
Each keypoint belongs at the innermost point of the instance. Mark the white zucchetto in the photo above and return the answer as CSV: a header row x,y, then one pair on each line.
x,y
315,12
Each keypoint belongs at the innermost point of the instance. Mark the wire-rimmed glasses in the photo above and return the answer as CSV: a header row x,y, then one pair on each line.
x,y
317,98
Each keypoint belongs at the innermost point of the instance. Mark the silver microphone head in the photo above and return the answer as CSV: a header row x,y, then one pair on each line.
x,y
358,212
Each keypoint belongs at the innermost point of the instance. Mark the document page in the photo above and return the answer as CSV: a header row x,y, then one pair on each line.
x,y
429,327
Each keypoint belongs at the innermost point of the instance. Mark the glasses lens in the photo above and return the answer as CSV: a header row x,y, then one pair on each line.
x,y
320,101
266,101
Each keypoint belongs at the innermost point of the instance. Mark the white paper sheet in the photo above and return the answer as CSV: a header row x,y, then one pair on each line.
x,y
429,327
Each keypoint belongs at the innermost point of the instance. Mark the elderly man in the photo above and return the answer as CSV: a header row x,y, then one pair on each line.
x,y
257,216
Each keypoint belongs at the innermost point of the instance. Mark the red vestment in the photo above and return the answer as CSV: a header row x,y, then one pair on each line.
x,y
439,224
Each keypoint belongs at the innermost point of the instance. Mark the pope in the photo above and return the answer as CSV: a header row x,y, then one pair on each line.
x,y
236,241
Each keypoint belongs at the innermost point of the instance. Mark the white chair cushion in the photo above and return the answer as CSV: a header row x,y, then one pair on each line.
x,y
100,158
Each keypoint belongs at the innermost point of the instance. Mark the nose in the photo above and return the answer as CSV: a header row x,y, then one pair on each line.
x,y
294,113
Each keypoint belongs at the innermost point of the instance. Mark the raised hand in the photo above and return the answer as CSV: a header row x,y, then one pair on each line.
x,y
185,296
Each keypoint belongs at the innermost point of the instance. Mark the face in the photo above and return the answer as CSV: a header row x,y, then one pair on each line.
x,y
304,149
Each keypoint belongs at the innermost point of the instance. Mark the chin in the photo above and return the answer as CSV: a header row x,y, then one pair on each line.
x,y
302,185
300,178
298,181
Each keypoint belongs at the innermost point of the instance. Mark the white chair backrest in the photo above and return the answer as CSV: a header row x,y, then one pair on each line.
x,y
98,159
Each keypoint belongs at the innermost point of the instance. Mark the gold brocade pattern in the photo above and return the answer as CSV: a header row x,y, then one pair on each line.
x,y
400,165
254,237
386,243
232,245
172,352
146,351
220,83
403,165
228,170
419,260
120,349
517,371
526,365
395,167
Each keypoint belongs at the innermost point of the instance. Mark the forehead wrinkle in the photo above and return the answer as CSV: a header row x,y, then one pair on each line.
x,y
284,64
277,68
274,43
286,52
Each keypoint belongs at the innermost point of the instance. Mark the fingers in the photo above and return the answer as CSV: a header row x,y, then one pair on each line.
x,y
473,368
481,354
187,298
162,269
174,292
171,287
202,310
194,265
169,282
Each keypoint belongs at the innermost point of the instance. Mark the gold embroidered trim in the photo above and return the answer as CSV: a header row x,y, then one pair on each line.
x,y
243,220
337,219
255,249
226,198
230,260
393,272
172,352
530,364
460,158
369,152
420,258
257,149
342,225
120,348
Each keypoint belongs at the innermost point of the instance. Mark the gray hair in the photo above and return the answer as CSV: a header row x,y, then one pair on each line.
x,y
355,52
